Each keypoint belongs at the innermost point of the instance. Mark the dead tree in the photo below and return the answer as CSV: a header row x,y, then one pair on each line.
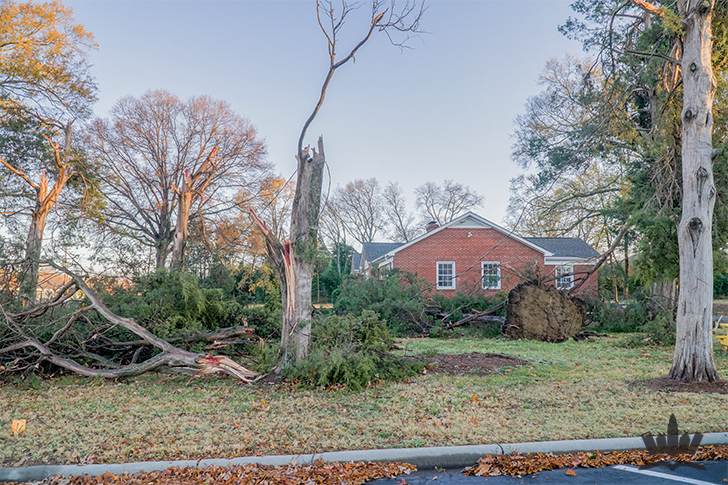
x,y
293,260
20,343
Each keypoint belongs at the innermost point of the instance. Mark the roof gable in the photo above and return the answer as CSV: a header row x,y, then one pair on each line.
x,y
469,220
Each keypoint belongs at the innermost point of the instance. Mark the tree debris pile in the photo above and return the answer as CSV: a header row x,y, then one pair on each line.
x,y
318,472
87,338
518,465
537,311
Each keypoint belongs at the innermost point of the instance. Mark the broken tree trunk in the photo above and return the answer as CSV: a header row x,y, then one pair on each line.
x,y
541,312
193,184
293,261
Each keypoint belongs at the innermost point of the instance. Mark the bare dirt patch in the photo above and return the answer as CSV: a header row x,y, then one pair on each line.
x,y
474,363
672,385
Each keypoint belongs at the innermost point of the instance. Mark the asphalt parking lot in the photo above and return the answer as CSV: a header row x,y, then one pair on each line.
x,y
713,473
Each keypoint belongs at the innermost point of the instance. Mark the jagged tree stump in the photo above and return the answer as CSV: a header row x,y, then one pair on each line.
x,y
541,312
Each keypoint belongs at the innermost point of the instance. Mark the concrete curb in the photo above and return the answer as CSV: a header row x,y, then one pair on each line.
x,y
441,456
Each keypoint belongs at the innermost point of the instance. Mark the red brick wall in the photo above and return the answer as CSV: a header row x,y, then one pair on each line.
x,y
453,244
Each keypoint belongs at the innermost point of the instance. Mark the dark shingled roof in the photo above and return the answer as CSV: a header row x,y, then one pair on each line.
x,y
355,262
565,246
373,250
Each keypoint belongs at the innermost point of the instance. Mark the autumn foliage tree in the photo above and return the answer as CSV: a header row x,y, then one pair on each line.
x,y
44,86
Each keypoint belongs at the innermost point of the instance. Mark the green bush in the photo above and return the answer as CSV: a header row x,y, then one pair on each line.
x,y
398,298
172,303
616,318
351,352
654,326
720,286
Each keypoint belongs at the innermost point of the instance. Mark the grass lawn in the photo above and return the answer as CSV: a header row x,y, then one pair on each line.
x,y
570,390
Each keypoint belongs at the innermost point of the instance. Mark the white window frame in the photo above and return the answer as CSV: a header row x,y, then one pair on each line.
x,y
437,275
490,266
566,282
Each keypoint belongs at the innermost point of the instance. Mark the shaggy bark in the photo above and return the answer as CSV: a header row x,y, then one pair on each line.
x,y
693,356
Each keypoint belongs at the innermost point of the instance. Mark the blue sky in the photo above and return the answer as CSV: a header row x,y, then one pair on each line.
x,y
441,110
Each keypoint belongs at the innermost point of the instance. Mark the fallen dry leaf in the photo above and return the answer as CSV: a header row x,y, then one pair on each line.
x,y
571,472
319,473
518,465
18,426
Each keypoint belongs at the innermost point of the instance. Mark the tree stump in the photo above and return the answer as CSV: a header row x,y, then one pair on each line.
x,y
541,312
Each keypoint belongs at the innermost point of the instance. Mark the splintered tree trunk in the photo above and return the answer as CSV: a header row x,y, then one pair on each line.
x,y
693,357
179,240
294,261
192,184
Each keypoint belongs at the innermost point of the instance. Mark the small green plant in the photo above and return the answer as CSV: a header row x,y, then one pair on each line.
x,y
352,352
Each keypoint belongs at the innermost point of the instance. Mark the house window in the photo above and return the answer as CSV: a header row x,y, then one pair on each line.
x,y
564,277
491,275
446,275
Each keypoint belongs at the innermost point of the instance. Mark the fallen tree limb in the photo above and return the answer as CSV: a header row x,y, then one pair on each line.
x,y
475,316
617,240
170,355
221,334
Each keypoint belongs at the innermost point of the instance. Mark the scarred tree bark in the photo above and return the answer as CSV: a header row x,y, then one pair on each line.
x,y
293,261
693,356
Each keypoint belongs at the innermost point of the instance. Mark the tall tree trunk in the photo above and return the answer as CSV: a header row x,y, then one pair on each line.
x,y
33,245
45,201
192,184
626,270
294,261
693,356
161,250
179,240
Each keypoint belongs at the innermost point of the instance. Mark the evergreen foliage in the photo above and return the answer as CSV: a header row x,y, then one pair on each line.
x,y
398,298
351,352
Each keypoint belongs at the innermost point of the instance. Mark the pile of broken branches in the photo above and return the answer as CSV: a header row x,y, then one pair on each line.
x,y
92,341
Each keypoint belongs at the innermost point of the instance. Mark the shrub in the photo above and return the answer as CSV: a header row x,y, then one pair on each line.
x,y
352,352
616,318
655,326
172,303
397,298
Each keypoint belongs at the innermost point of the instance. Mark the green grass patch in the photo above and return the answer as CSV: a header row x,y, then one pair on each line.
x,y
571,390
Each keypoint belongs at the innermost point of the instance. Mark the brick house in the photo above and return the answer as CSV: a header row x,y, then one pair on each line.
x,y
471,253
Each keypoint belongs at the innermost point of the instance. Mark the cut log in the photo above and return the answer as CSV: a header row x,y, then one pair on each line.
x,y
541,312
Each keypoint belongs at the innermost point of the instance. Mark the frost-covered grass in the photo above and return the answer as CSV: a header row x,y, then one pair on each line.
x,y
570,390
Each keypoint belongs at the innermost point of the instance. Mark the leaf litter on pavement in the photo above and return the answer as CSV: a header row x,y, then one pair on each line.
x,y
316,473
518,465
